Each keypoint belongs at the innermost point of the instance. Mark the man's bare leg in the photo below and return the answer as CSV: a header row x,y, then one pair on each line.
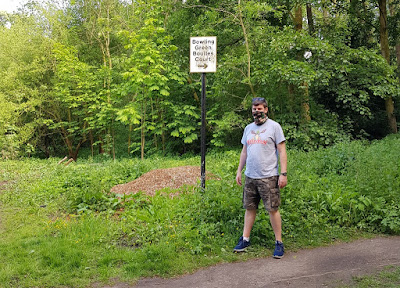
x,y
249,218
276,223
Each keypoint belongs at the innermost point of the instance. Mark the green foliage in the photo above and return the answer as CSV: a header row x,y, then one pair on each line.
x,y
72,230
314,135
356,85
24,83
338,186
128,115
227,130
149,72
74,94
185,124
73,75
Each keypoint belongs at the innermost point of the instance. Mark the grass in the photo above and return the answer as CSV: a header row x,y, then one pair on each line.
x,y
61,228
389,277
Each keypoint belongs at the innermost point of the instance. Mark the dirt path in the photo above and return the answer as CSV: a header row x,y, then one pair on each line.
x,y
321,267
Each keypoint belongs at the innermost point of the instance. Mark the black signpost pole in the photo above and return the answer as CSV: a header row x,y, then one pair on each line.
x,y
203,131
203,59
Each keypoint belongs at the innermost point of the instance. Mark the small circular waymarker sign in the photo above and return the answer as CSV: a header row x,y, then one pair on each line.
x,y
203,54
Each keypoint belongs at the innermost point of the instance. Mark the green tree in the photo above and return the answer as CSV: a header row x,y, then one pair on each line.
x,y
149,71
25,73
98,22
384,41
126,61
74,96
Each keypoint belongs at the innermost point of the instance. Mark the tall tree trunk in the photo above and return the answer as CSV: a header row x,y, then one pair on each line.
x,y
369,32
384,41
129,139
106,36
152,104
246,42
325,13
398,56
103,10
392,9
142,131
163,139
91,142
305,105
311,28
291,95
72,152
303,92
298,18
101,148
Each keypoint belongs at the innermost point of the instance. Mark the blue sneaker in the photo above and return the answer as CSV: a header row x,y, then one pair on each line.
x,y
279,250
242,245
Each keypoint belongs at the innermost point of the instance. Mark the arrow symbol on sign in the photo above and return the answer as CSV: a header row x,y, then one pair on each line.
x,y
204,65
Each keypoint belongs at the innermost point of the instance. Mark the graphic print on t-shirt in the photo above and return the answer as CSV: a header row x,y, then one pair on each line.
x,y
257,139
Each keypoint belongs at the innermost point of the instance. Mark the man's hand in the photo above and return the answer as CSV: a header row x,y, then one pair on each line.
x,y
282,182
239,178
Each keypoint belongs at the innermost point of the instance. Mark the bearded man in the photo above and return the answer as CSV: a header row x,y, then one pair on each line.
x,y
263,144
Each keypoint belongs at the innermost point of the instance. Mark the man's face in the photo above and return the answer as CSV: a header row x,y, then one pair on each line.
x,y
259,114
259,108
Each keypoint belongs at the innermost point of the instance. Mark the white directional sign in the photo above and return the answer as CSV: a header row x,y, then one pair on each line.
x,y
203,54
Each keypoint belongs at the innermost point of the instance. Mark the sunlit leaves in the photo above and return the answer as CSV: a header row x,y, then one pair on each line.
x,y
185,124
149,72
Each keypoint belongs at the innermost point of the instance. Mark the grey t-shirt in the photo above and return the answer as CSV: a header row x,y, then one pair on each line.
x,y
262,154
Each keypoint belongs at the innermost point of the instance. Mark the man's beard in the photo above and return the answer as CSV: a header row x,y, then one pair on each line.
x,y
259,117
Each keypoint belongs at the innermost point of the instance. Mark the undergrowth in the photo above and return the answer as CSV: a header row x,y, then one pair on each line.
x,y
61,227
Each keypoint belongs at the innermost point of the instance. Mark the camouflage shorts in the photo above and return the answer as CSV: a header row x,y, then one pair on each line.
x,y
266,189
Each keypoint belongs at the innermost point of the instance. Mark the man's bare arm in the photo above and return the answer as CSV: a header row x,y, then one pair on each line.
x,y
283,164
242,162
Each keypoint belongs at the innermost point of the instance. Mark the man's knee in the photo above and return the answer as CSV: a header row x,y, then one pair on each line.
x,y
274,212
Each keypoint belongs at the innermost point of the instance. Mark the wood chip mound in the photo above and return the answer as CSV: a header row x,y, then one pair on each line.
x,y
159,179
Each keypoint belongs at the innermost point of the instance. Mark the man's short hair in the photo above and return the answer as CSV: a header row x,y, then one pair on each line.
x,y
258,101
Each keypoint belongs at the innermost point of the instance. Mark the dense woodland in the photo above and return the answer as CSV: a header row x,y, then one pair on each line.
x,y
112,77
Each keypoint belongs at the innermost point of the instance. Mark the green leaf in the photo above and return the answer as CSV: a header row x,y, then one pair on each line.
x,y
175,133
155,87
164,92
